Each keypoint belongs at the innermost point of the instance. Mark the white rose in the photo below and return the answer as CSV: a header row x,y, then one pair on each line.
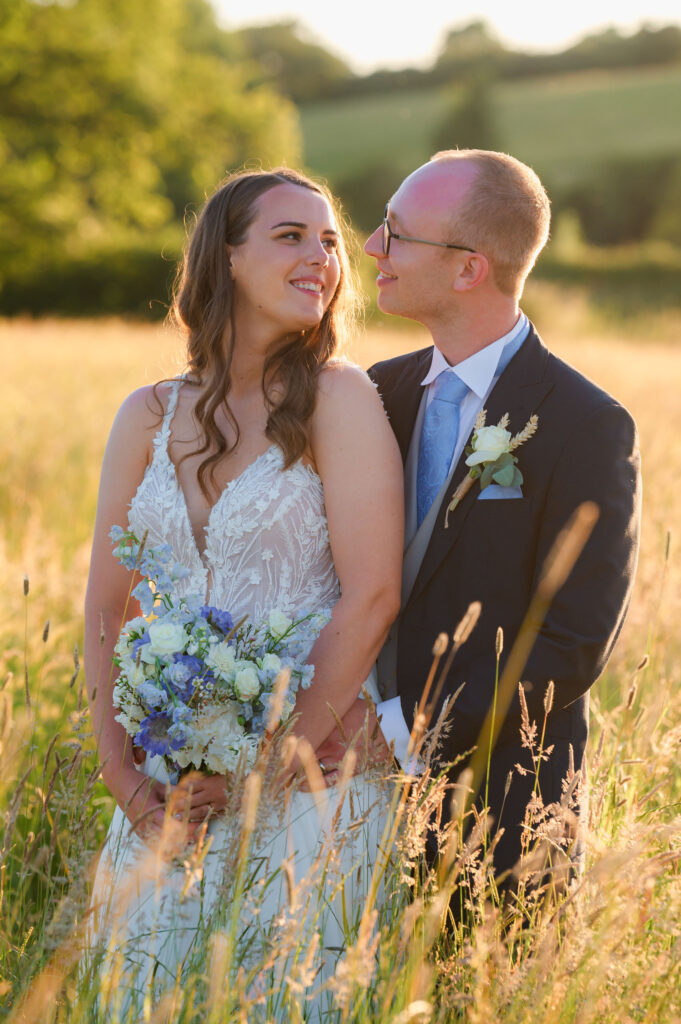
x,y
490,443
246,683
221,658
165,638
278,623
271,663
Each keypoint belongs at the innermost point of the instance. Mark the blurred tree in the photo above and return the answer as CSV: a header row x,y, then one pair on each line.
x,y
114,116
619,202
468,121
365,193
667,220
471,50
294,63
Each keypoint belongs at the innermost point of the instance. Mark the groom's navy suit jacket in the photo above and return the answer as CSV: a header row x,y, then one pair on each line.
x,y
585,448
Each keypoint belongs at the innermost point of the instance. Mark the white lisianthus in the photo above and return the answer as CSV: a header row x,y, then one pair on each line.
x,y
221,659
165,638
271,663
278,623
246,683
217,737
488,444
133,672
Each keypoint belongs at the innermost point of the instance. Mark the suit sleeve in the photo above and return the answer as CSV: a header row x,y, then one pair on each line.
x,y
600,462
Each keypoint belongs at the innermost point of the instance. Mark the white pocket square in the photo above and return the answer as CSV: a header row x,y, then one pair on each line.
x,y
497,491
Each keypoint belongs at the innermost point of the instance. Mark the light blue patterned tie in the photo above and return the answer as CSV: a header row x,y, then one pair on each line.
x,y
438,439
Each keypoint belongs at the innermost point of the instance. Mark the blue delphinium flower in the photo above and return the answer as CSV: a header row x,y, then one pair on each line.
x,y
140,642
145,596
152,695
218,618
180,677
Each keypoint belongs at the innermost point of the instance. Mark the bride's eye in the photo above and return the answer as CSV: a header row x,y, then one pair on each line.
x,y
294,236
330,243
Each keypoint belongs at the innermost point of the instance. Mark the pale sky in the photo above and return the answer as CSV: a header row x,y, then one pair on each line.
x,y
369,33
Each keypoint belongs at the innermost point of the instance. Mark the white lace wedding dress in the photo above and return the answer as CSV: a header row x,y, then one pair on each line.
x,y
266,547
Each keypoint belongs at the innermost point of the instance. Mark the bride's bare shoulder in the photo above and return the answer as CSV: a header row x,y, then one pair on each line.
x,y
348,406
144,408
341,380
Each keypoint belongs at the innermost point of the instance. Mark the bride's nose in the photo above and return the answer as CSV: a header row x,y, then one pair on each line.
x,y
318,255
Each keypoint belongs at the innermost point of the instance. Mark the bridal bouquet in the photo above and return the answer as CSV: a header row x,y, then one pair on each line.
x,y
193,686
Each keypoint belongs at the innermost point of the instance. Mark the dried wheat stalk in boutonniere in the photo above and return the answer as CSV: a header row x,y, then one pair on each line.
x,y
491,458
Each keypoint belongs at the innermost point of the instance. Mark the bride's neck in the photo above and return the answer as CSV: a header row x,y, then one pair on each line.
x,y
248,358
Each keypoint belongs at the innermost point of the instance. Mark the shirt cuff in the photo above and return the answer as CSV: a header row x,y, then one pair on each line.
x,y
395,731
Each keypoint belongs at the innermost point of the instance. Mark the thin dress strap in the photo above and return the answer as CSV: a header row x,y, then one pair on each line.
x,y
163,435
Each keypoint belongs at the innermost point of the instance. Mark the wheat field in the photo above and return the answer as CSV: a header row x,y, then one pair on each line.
x,y
610,950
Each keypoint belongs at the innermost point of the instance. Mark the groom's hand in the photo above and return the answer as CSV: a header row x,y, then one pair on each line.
x,y
332,750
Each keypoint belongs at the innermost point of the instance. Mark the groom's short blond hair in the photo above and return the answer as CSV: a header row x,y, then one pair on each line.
x,y
506,214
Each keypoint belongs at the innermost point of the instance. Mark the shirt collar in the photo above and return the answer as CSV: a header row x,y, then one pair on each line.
x,y
479,370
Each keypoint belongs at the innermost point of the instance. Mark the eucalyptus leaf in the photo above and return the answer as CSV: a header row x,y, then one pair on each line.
x,y
487,476
505,476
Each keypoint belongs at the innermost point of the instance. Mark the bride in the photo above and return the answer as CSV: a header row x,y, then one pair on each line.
x,y
272,473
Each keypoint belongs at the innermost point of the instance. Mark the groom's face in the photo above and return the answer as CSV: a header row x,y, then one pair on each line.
x,y
415,280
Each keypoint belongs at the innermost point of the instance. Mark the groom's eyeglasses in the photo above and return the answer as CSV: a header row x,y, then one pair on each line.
x,y
389,234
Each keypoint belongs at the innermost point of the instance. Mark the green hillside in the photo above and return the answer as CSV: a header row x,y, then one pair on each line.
x,y
561,125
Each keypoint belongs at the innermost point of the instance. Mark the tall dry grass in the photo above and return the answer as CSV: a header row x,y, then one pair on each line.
x,y
607,951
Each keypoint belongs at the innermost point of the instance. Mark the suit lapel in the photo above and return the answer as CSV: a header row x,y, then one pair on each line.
x,y
402,398
519,392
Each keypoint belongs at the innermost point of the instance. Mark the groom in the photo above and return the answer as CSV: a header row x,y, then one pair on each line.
x,y
458,240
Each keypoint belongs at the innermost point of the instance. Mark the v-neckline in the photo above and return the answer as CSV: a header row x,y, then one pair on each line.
x,y
229,486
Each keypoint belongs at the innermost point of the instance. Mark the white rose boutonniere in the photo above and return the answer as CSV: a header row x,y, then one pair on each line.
x,y
491,458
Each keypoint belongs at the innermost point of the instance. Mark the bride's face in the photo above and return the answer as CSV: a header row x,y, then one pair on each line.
x,y
286,271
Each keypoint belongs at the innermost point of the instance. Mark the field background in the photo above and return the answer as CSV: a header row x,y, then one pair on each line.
x,y
559,125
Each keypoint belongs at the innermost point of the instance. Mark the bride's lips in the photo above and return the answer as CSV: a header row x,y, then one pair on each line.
x,y
308,285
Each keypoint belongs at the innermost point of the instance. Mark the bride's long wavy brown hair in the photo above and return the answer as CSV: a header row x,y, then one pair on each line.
x,y
203,306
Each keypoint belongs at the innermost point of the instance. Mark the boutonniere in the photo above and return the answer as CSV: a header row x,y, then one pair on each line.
x,y
491,458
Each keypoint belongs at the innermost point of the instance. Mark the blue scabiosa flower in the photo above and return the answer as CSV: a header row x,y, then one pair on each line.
x,y
155,734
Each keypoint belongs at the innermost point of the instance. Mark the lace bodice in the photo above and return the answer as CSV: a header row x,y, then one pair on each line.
x,y
267,543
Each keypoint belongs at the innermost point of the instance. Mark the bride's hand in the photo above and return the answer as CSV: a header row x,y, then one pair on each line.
x,y
142,800
198,796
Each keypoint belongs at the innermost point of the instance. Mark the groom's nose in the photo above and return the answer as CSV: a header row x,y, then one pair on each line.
x,y
374,243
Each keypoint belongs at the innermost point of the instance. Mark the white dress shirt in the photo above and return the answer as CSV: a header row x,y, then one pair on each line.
x,y
479,373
